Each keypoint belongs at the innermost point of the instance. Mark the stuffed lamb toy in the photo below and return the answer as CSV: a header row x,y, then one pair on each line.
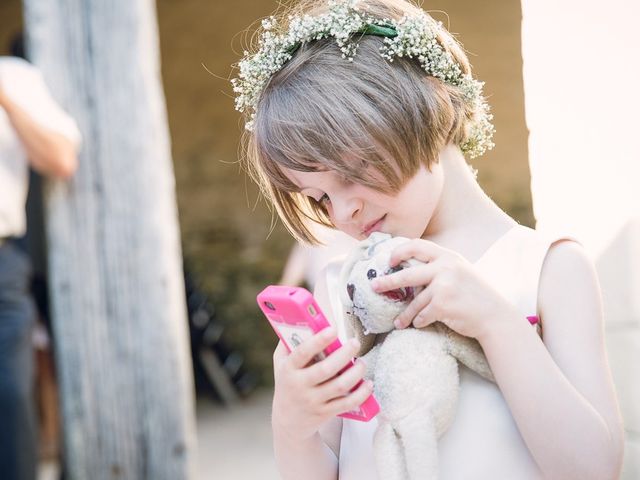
x,y
414,370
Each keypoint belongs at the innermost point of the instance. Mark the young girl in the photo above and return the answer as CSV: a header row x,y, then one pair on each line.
x,y
359,117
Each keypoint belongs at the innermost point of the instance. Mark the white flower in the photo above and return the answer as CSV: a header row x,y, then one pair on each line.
x,y
412,37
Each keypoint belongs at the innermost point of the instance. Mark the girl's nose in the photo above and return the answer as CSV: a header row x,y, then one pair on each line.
x,y
347,210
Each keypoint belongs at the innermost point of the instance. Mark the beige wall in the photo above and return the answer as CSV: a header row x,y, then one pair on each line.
x,y
585,164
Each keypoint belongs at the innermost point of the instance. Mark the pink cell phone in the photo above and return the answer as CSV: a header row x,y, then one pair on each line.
x,y
295,316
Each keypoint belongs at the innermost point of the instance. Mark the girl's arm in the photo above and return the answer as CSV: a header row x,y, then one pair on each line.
x,y
561,393
298,456
297,264
315,458
307,398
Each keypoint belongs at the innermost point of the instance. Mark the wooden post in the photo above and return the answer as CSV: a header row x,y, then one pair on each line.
x,y
115,268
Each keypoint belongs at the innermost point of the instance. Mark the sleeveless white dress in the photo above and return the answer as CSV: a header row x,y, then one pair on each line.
x,y
483,442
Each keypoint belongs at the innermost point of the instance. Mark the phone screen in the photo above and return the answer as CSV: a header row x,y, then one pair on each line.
x,y
294,335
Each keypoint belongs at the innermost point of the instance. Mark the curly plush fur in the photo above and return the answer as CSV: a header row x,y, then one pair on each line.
x,y
415,371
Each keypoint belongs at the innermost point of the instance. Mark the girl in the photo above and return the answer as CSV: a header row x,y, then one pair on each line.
x,y
359,116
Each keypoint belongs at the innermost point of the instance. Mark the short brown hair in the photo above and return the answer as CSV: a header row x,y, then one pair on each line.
x,y
372,121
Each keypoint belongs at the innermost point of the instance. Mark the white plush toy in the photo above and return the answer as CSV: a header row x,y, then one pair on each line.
x,y
415,371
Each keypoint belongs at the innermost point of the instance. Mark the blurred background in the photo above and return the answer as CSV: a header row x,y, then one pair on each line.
x,y
225,239
231,251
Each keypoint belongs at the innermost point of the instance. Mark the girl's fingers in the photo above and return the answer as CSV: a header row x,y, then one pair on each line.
x,y
352,401
342,384
280,353
405,318
425,317
418,249
304,353
331,366
414,276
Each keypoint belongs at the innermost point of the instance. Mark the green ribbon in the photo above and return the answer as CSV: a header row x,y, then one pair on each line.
x,y
387,31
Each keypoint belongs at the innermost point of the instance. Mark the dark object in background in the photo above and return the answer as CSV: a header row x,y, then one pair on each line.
x,y
16,47
218,370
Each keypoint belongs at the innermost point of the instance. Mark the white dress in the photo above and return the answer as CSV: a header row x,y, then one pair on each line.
x,y
483,442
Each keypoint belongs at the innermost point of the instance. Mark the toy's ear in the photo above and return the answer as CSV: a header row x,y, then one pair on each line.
x,y
355,330
353,325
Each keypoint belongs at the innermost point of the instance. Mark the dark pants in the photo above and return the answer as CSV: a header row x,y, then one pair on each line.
x,y
17,410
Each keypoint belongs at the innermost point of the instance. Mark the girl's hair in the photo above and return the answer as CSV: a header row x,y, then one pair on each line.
x,y
372,121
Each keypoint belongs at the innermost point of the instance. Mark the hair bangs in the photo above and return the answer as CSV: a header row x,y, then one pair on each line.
x,y
371,121
310,121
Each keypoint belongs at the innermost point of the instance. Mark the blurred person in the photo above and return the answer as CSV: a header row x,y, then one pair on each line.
x,y
34,132
306,262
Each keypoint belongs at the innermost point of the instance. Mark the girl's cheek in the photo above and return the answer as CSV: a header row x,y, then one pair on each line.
x,y
330,213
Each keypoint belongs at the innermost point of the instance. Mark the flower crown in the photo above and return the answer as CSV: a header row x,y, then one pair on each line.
x,y
411,37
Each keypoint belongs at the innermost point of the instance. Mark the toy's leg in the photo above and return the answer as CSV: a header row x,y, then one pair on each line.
x,y
420,444
390,461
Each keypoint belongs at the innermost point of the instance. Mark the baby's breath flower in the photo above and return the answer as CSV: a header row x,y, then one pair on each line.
x,y
412,37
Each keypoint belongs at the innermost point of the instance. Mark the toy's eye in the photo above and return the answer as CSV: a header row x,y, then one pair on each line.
x,y
372,274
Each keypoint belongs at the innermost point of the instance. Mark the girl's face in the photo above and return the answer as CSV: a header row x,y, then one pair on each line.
x,y
358,210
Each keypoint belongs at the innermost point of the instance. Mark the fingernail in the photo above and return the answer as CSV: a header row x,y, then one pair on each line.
x,y
397,323
375,284
354,343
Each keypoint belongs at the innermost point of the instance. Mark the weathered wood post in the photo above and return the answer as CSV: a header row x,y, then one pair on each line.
x,y
114,247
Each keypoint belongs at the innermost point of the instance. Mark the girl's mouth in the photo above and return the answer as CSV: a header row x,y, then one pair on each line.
x,y
373,227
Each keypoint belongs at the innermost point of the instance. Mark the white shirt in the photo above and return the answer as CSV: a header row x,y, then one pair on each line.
x,y
483,442
24,85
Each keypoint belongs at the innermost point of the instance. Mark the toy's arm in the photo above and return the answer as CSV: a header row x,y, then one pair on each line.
x,y
468,352
370,360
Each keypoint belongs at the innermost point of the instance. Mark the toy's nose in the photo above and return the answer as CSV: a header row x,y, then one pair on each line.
x,y
351,289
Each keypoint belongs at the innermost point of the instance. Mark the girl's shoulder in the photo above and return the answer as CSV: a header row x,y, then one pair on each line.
x,y
562,259
568,276
517,264
533,245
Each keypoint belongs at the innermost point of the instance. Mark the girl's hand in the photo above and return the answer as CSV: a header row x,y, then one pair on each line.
x,y
453,294
309,393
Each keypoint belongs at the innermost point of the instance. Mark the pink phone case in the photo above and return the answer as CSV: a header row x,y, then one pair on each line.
x,y
295,316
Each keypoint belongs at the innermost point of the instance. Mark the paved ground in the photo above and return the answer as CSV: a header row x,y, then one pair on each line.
x,y
233,443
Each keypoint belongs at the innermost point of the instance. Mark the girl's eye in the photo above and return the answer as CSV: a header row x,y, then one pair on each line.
x,y
324,199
